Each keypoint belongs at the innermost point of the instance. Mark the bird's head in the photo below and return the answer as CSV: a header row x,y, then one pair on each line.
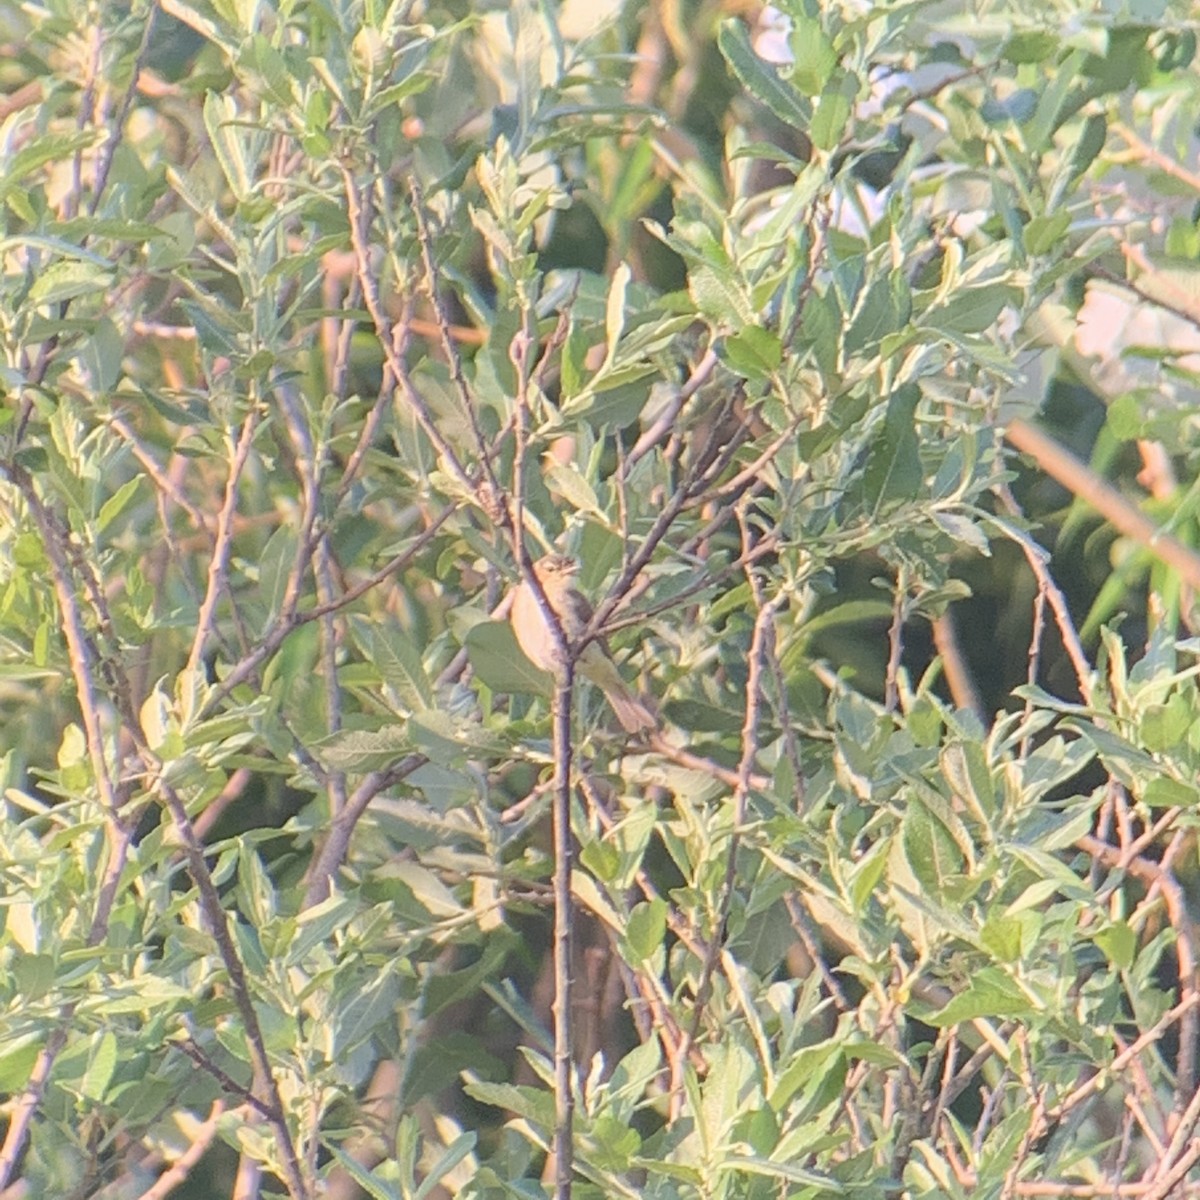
x,y
556,569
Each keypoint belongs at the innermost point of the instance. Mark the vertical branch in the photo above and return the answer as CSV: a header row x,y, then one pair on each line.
x,y
116,125
1036,557
85,666
392,340
265,1083
963,691
760,649
312,550
891,691
564,1098
453,358
329,640
518,353
224,538
366,436
1187,1099
1035,658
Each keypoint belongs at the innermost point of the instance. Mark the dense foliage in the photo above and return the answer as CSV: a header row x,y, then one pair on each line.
x,y
306,309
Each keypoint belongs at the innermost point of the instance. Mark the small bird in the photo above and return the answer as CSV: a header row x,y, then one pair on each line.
x,y
556,573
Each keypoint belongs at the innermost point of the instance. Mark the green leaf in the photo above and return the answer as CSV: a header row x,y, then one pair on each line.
x,y
884,310
442,990
1004,936
275,564
360,1013
646,930
988,992
42,150
150,992
458,1149
215,327
813,55
1017,107
267,72
426,888
447,739
964,531
65,280
501,664
822,1184
933,856
396,659
1164,792
761,79
534,1104
32,974
317,924
102,355
102,1062
614,312
528,34
893,471
442,787
972,310
1031,46
369,1181
1054,101
17,1056
363,750
411,85
1043,234
117,503
1165,726
821,329
220,117
565,479
1119,943
833,111
1089,144
753,352
718,296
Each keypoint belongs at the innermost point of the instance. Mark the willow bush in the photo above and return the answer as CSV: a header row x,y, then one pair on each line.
x,y
307,309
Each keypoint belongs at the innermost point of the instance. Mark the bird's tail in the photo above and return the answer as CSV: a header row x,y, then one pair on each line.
x,y
635,716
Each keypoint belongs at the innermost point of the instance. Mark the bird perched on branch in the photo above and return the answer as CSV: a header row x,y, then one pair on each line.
x,y
556,573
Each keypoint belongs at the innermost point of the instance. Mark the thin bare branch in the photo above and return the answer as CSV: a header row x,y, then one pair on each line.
x,y
219,562
178,1173
1081,481
564,1066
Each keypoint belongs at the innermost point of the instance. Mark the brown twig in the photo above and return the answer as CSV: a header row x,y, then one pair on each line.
x,y
266,1086
178,1172
1082,482
1036,557
85,667
273,638
393,339
116,126
337,840
564,1092
962,687
760,643
667,419
891,688
449,345
1154,156
223,547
